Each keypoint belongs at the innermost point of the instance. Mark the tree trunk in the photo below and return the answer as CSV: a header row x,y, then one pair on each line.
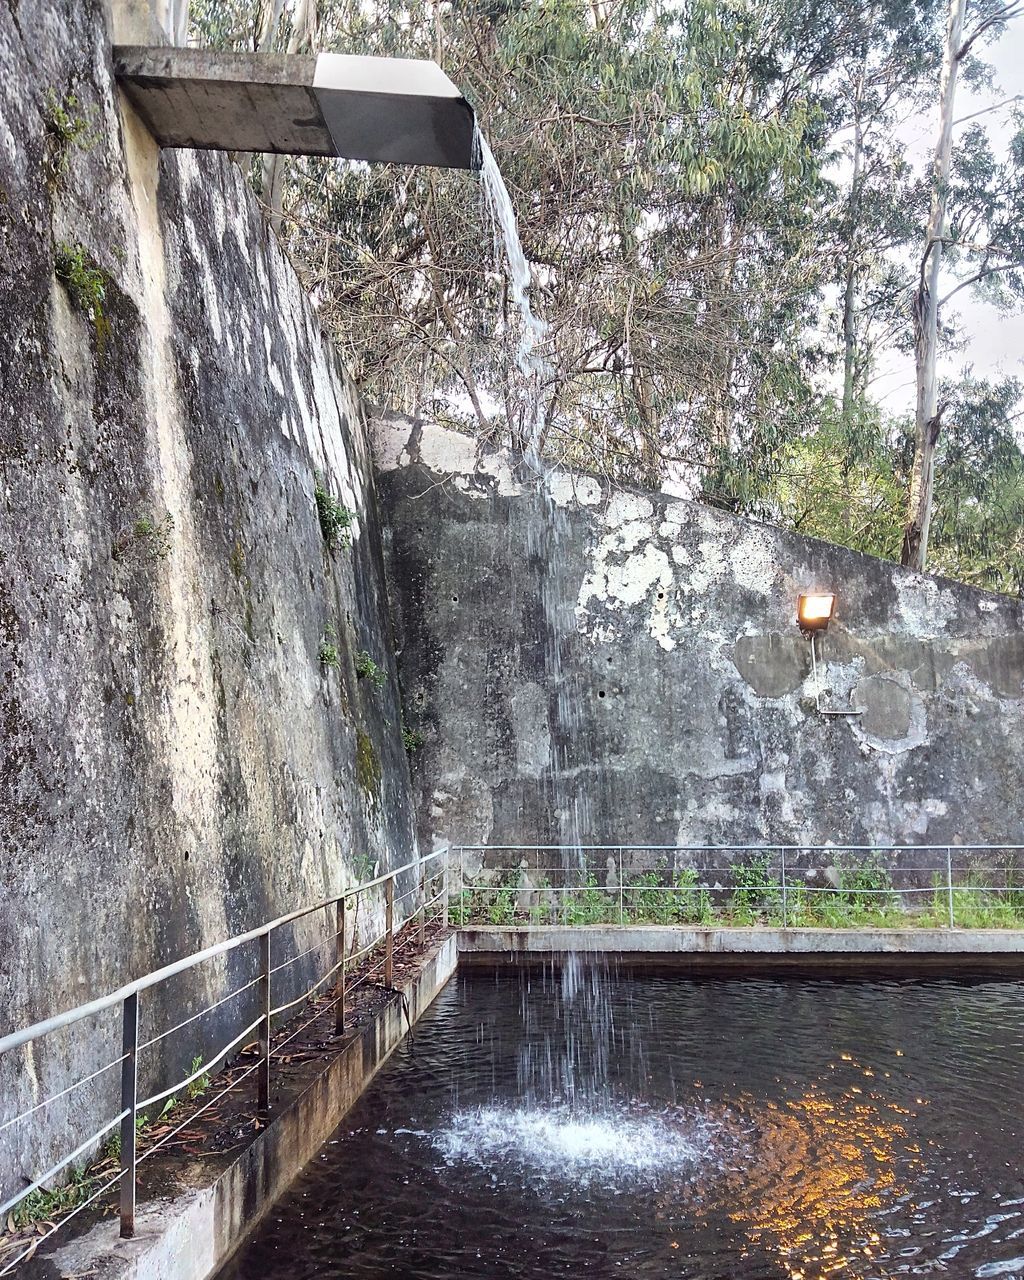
x,y
173,16
302,38
926,311
850,292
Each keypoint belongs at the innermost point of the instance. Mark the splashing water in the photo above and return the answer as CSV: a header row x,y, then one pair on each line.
x,y
615,1147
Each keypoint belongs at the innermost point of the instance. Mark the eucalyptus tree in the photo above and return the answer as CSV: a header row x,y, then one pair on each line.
x,y
976,217
886,77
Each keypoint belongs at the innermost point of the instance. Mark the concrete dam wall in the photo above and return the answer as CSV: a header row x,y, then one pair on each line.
x,y
693,714
178,763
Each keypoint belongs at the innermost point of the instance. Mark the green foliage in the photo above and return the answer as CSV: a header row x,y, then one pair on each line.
x,y
588,904
367,669
327,654
976,905
756,894
335,520
412,739
864,898
85,282
67,125
201,1083
146,540
845,480
47,1206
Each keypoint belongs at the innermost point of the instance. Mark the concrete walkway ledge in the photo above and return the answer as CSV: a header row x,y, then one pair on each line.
x,y
951,951
192,1232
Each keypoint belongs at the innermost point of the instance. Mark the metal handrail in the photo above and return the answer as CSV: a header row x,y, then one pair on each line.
x,y
127,997
784,892
753,848
17,1038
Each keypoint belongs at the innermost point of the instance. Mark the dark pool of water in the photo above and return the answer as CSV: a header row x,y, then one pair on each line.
x,y
720,1129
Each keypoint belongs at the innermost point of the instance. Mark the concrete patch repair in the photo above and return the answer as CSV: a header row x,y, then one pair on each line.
x,y
261,644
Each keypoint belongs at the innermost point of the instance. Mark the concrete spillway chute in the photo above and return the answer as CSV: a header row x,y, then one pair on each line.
x,y
394,110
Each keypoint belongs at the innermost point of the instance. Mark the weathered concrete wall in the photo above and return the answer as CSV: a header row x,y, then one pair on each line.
x,y
177,765
679,708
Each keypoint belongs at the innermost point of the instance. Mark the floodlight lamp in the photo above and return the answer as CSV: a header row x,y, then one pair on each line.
x,y
814,611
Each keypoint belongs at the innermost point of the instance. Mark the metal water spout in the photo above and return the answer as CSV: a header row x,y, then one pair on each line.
x,y
394,110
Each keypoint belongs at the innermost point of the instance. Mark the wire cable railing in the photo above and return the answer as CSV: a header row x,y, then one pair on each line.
x,y
345,953
950,886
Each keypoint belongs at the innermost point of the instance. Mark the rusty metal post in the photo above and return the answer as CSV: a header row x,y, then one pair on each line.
x,y
263,1070
339,1008
129,1099
389,908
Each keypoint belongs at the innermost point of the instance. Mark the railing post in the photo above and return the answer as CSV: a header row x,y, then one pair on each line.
x,y
622,904
423,901
446,885
339,1008
949,886
129,1098
263,1071
389,915
785,894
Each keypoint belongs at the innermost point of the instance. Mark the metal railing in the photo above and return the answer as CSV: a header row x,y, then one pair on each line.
x,y
430,887
980,885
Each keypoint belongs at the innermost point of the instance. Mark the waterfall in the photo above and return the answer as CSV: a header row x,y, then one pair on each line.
x,y
548,537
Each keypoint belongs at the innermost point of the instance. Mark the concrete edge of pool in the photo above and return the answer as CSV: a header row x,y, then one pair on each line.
x,y
191,1234
686,949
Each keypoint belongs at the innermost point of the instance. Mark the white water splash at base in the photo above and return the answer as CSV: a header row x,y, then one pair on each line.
x,y
557,1143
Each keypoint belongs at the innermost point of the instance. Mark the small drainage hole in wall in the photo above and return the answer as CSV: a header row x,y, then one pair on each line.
x,y
600,693
455,599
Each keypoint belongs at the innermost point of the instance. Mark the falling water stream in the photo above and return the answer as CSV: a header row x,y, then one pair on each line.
x,y
548,539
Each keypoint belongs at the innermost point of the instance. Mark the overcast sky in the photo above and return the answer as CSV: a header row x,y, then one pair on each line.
x,y
996,340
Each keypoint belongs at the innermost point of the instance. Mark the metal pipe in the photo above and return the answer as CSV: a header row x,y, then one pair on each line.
x,y
949,883
423,903
785,902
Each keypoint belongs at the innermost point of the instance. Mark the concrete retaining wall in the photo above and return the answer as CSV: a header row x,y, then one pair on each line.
x,y
627,669
177,764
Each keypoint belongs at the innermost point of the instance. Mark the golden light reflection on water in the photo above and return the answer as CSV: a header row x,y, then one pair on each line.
x,y
821,1167
812,1173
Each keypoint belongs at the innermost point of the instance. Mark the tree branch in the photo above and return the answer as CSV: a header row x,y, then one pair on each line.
x,y
980,275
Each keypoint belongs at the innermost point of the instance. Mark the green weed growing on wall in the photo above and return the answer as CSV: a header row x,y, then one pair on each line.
x,y
146,539
85,283
367,669
327,654
335,520
67,125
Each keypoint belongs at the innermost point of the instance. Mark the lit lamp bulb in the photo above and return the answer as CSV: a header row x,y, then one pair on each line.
x,y
814,610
